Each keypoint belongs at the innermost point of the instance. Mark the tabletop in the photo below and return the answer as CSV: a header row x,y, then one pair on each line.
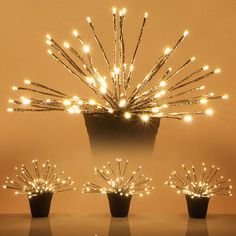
x,y
104,225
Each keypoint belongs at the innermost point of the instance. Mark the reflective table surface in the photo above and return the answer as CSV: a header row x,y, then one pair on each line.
x,y
104,225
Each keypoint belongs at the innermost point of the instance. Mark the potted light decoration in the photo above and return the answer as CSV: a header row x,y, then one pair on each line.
x,y
198,188
39,186
121,116
119,188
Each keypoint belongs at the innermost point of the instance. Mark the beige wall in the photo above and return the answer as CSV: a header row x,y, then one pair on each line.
x,y
63,139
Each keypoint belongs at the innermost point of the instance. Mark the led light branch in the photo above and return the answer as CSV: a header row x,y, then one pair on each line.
x,y
116,181
171,92
43,179
202,183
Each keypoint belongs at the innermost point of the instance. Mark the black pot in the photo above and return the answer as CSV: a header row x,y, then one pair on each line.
x,y
197,206
114,132
40,204
119,205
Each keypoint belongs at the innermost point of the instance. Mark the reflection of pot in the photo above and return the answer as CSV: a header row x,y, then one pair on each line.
x,y
197,227
197,206
119,227
119,205
40,204
40,227
114,131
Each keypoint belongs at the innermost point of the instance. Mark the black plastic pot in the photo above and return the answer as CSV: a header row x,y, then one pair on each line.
x,y
109,131
197,206
40,204
119,205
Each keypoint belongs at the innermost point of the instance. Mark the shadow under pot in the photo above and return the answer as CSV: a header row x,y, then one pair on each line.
x,y
197,206
119,205
111,131
40,204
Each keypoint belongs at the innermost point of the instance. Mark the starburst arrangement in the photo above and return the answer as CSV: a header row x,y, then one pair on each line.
x,y
117,181
169,97
205,184
43,180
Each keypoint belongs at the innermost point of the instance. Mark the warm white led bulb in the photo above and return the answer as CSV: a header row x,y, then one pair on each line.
x,y
122,103
163,83
75,98
71,110
66,45
11,101
127,115
155,109
102,81
145,14
26,81
193,59
90,80
203,101
209,112
25,101
212,94
131,68
188,118
164,106
76,109
159,94
48,36
75,33
49,52
92,102
14,88
163,92
114,10
167,50
10,109
116,71
217,71
145,117
86,48
66,102
206,67
186,32
225,96
88,19
48,42
103,90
